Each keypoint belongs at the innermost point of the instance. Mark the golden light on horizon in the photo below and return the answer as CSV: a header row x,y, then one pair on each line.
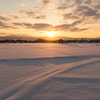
x,y
50,34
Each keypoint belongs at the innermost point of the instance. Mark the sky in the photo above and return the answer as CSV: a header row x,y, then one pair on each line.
x,y
70,18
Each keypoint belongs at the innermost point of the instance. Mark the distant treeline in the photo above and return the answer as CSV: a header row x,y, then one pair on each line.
x,y
52,41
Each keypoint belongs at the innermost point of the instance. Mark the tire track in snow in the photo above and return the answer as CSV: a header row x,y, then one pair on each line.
x,y
30,85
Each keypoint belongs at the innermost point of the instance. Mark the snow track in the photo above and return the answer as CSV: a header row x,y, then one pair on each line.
x,y
49,71
27,87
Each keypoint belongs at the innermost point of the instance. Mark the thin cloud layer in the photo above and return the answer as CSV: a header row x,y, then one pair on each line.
x,y
4,25
36,26
97,0
70,27
45,2
48,27
4,18
35,13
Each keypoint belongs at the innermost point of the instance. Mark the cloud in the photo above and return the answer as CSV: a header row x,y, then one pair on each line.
x,y
81,8
75,29
97,6
78,2
27,13
40,17
30,13
69,27
70,16
39,9
2,34
21,11
42,26
35,13
49,27
62,8
84,13
45,2
90,12
12,17
22,5
4,25
5,18
87,2
73,2
97,0
76,23
87,12
36,26
76,11
17,24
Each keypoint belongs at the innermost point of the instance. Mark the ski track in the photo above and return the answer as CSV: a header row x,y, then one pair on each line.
x,y
27,86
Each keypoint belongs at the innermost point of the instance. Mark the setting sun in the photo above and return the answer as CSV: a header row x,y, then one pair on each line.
x,y
50,34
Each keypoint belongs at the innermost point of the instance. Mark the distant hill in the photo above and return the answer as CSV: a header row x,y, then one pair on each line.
x,y
56,38
26,37
13,37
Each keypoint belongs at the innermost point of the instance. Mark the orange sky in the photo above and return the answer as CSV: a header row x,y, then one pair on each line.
x,y
70,18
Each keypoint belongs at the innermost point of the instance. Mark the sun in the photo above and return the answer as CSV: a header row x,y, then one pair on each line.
x,y
50,34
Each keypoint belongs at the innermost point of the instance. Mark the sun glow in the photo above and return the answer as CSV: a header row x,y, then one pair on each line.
x,y
50,34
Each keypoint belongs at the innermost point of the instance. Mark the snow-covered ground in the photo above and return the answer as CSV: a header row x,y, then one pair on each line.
x,y
49,71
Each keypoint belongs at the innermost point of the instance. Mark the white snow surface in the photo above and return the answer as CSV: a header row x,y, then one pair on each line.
x,y
52,71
